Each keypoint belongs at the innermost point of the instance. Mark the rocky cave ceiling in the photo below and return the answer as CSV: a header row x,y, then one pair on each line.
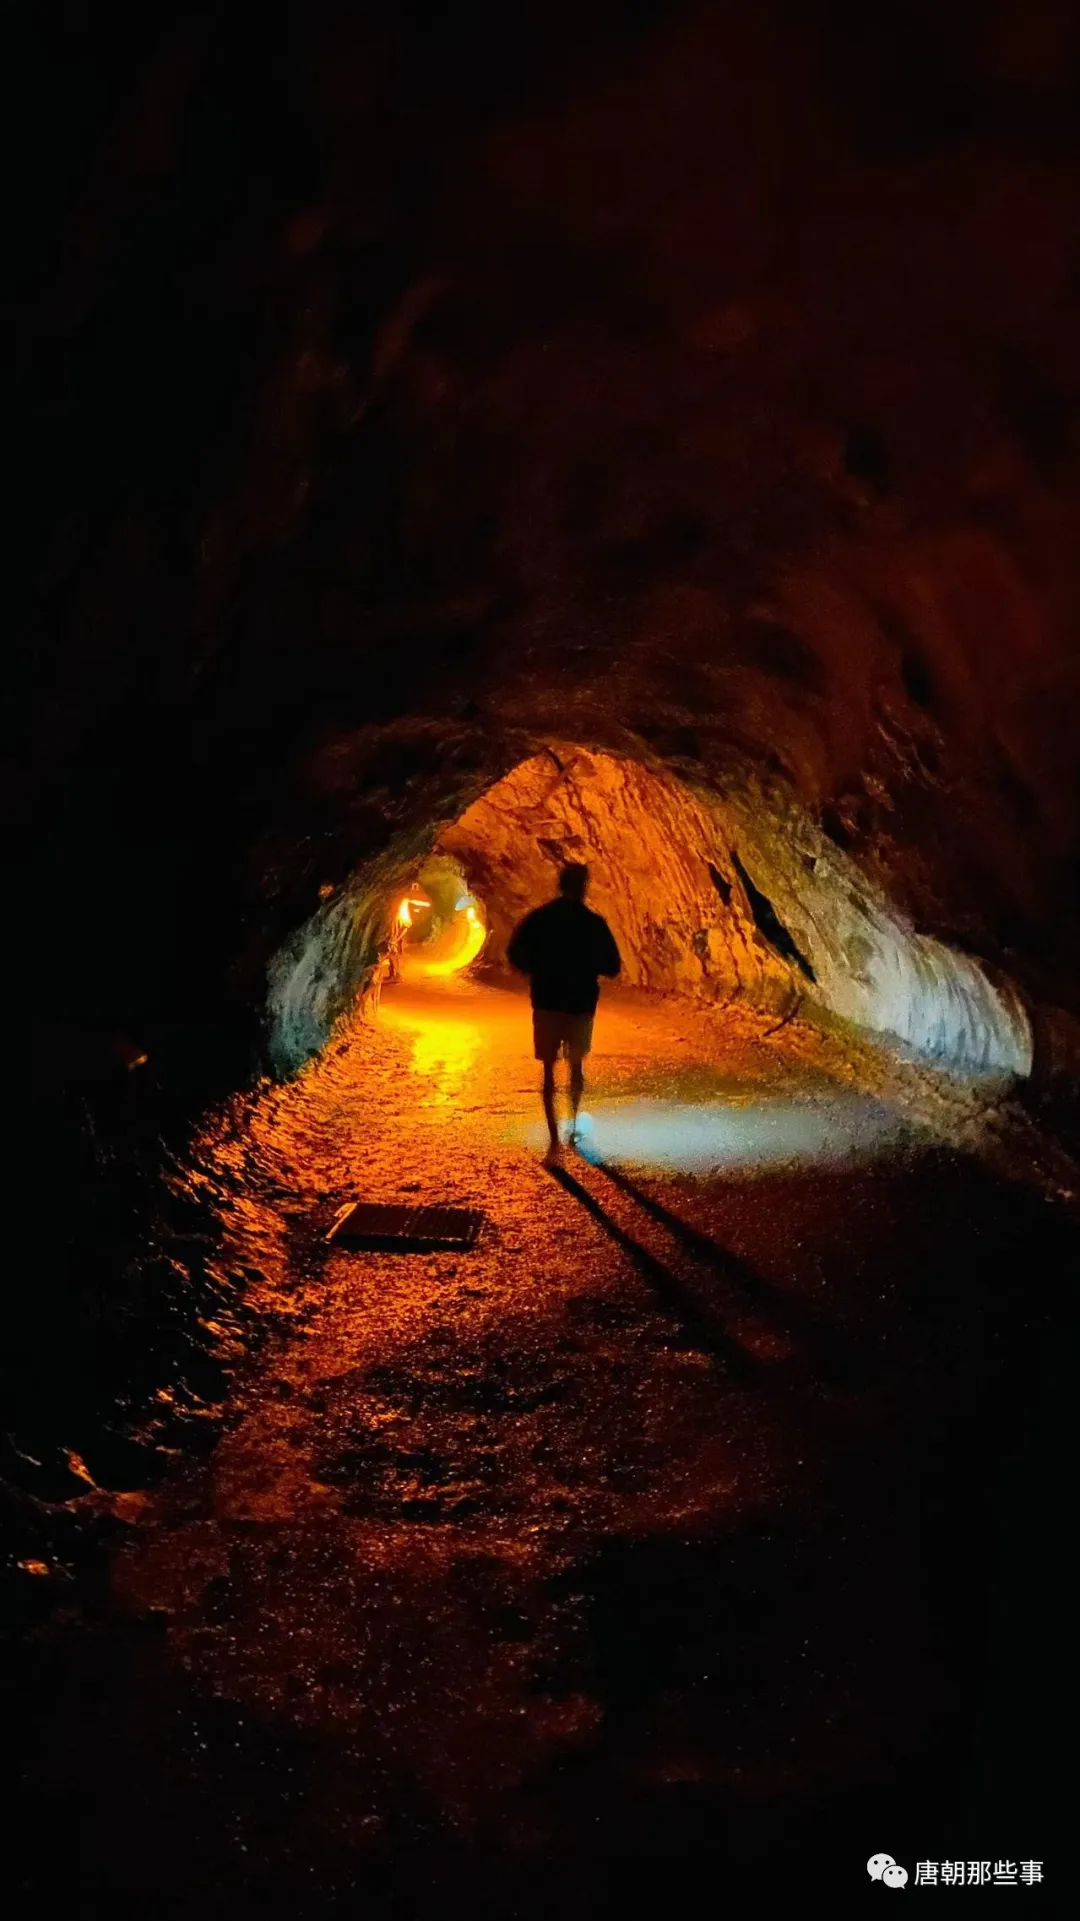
x,y
402,390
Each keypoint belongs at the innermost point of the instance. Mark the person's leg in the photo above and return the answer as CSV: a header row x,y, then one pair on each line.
x,y
549,1103
578,1045
577,1088
546,1049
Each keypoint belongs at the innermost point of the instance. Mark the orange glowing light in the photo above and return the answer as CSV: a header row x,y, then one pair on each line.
x,y
444,1054
410,906
460,944
443,948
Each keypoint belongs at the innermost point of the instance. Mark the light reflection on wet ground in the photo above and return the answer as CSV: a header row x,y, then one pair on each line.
x,y
602,1495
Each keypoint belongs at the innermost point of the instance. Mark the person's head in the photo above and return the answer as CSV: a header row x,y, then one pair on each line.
x,y
573,881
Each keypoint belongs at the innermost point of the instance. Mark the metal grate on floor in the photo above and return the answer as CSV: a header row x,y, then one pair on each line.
x,y
374,1227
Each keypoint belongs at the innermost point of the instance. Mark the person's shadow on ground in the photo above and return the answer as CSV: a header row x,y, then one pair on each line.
x,y
833,1354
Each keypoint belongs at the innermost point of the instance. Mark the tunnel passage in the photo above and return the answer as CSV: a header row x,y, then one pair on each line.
x,y
713,893
439,924
649,843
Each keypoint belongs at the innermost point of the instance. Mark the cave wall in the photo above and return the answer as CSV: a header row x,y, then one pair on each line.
x,y
648,843
683,381
716,892
727,892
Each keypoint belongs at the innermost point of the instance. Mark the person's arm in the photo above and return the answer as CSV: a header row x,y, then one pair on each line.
x,y
609,960
519,947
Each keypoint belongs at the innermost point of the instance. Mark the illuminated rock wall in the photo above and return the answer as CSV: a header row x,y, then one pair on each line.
x,y
676,873
696,384
714,893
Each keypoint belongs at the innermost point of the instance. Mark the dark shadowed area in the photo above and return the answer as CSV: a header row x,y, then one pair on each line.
x,y
449,443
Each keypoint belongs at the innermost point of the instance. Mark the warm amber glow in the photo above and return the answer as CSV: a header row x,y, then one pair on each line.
x,y
445,1050
456,942
468,935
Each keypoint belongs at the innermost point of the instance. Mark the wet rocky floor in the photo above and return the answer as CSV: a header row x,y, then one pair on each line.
x,y
693,1524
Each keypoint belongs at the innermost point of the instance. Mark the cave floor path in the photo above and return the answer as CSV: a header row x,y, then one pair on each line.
x,y
613,1526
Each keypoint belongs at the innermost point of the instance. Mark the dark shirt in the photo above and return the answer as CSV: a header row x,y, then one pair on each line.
x,y
563,947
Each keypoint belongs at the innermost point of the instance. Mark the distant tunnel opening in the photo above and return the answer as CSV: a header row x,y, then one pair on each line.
x,y
713,894
438,925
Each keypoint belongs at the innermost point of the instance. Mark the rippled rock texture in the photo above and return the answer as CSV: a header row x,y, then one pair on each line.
x,y
516,431
703,378
672,866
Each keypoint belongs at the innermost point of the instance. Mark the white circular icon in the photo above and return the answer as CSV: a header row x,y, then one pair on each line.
x,y
894,1877
877,1865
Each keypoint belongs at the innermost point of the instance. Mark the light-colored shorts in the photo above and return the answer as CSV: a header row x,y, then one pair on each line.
x,y
553,1032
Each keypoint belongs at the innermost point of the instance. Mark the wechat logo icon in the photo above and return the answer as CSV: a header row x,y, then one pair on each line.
x,y
882,1867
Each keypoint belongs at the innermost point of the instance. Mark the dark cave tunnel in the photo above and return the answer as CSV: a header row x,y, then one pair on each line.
x,y
452,443
284,487
651,842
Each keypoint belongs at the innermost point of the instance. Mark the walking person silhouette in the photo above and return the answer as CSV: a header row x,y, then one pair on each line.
x,y
564,947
